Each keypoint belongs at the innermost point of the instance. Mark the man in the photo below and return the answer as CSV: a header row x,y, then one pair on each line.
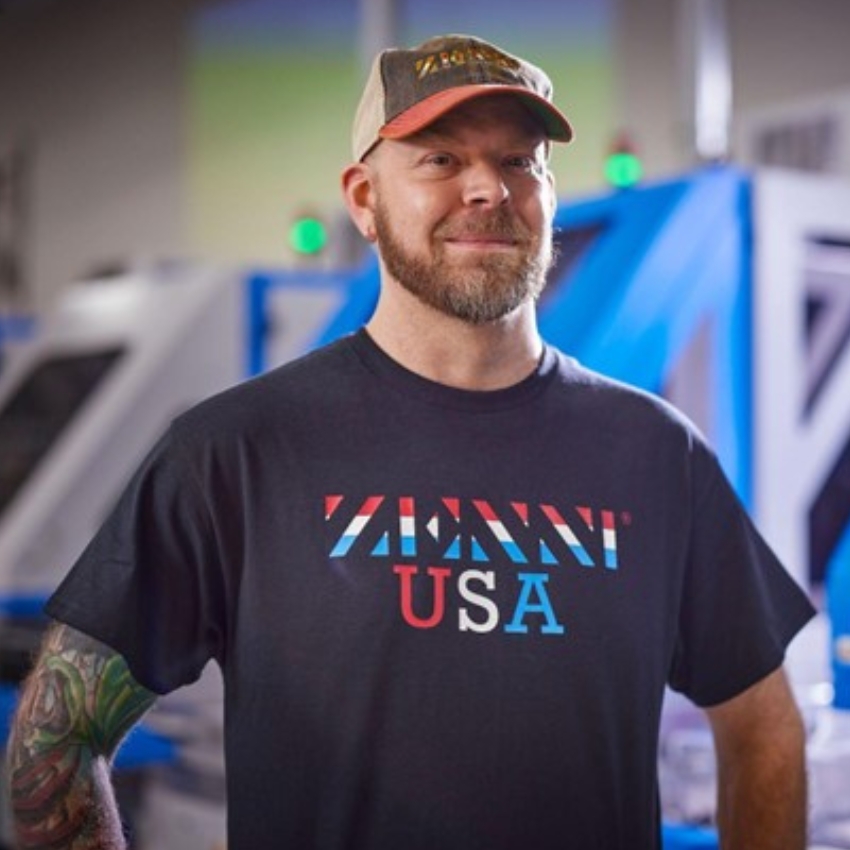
x,y
447,572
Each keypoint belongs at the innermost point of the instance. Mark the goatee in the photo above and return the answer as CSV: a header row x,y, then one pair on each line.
x,y
478,292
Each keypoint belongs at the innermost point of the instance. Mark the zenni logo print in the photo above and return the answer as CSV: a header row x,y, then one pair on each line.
x,y
474,546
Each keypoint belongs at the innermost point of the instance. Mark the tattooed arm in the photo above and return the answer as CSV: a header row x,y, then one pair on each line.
x,y
76,706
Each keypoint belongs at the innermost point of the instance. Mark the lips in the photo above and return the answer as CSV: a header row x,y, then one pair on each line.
x,y
482,241
487,235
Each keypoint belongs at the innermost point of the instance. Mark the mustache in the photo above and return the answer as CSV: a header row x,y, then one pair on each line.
x,y
499,223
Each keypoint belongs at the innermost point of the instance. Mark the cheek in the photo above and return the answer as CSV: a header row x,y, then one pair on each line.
x,y
542,208
417,218
422,208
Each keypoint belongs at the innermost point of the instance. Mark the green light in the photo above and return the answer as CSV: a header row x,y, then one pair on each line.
x,y
308,235
623,169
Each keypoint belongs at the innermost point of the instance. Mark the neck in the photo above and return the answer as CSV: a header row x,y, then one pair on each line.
x,y
455,353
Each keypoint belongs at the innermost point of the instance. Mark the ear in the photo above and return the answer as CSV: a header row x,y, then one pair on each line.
x,y
357,190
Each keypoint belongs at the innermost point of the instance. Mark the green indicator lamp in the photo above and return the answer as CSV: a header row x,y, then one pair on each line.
x,y
308,235
623,167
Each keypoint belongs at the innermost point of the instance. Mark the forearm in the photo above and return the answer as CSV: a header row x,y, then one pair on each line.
x,y
76,707
63,798
760,742
762,799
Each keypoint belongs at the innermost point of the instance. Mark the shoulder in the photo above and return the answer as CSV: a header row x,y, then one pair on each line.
x,y
633,430
616,405
281,394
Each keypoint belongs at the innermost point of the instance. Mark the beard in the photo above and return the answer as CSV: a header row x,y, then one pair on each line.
x,y
481,290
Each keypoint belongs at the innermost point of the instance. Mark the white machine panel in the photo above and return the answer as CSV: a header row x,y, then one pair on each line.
x,y
801,311
83,403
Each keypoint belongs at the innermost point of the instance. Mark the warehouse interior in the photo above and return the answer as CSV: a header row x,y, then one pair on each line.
x,y
171,224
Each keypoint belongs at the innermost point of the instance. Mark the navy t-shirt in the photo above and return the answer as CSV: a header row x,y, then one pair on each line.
x,y
445,618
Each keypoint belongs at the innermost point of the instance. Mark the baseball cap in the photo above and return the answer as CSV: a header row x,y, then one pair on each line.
x,y
409,89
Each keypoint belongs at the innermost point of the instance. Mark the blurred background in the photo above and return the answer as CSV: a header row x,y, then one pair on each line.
x,y
171,223
190,128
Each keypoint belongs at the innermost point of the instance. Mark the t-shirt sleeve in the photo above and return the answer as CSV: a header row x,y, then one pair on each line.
x,y
740,607
149,583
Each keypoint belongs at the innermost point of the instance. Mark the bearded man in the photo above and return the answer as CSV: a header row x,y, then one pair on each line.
x,y
447,571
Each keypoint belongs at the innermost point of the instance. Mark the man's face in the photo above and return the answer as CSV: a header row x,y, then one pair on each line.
x,y
463,210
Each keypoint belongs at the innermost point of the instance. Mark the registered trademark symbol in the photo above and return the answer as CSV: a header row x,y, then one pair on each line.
x,y
626,518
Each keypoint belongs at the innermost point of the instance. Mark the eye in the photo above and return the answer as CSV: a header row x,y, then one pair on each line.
x,y
439,159
522,162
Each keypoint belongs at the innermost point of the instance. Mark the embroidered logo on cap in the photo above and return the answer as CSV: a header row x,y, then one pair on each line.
x,y
445,59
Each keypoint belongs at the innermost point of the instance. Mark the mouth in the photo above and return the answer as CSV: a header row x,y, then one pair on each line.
x,y
491,233
481,241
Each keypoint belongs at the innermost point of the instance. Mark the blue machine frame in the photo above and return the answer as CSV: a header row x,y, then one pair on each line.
x,y
671,257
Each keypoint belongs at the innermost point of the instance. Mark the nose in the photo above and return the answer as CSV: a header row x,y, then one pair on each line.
x,y
484,185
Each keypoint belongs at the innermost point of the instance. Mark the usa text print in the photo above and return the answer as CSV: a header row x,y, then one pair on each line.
x,y
470,563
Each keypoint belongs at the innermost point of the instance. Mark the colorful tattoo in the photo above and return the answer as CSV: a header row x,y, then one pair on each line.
x,y
76,707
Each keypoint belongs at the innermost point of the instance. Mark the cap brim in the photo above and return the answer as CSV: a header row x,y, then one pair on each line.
x,y
427,111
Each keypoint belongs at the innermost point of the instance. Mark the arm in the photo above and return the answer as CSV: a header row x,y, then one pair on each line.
x,y
760,742
75,708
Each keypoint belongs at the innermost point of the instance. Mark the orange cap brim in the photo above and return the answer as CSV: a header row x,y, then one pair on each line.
x,y
431,108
